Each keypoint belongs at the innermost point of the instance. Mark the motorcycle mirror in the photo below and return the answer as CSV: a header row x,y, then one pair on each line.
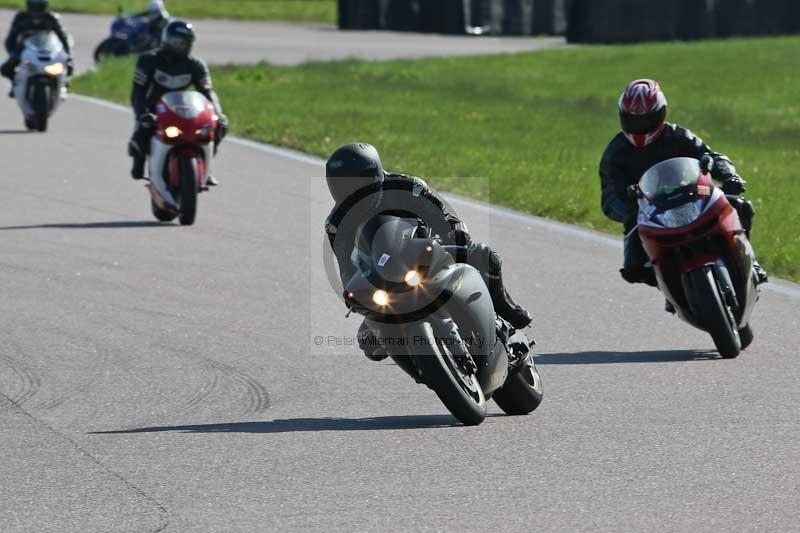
x,y
707,164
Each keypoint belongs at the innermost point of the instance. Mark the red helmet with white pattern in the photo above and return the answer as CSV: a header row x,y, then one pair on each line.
x,y
642,112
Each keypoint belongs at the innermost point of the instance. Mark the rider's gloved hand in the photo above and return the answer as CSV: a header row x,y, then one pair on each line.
x,y
734,186
148,121
461,237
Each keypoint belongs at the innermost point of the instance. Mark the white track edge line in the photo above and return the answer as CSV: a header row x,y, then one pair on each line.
x,y
784,288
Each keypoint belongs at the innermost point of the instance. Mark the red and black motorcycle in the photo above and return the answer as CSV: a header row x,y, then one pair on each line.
x,y
702,255
180,154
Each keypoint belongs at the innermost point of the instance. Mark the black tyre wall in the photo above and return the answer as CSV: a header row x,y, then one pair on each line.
x,y
602,21
623,21
518,17
550,17
359,14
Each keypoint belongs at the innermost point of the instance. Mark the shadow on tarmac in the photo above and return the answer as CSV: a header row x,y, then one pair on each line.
x,y
96,225
600,358
307,424
15,132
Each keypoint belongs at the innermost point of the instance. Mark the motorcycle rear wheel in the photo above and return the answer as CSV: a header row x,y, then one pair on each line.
x,y
709,306
110,47
160,214
746,335
522,392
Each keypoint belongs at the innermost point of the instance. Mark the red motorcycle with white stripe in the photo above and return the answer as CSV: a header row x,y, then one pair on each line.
x,y
180,154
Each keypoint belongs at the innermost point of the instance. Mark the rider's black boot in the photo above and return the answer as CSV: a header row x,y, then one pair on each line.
x,y
761,274
639,274
137,172
490,265
508,309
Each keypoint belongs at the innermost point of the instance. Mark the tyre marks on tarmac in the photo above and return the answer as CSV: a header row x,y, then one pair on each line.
x,y
221,385
256,395
37,387
20,382
97,365
223,390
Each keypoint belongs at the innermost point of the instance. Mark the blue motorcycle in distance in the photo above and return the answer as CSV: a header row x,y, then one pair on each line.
x,y
130,34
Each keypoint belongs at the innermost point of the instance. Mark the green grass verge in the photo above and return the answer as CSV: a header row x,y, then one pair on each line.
x,y
288,10
536,124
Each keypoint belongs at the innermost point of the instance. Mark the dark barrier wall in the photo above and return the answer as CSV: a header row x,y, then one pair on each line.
x,y
512,17
621,21
550,17
589,21
359,15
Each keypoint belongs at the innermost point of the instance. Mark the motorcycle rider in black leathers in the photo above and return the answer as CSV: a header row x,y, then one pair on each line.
x,y
170,68
36,18
646,140
357,169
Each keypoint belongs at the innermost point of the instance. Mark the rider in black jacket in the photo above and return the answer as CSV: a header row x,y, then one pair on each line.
x,y
646,140
170,68
36,18
356,169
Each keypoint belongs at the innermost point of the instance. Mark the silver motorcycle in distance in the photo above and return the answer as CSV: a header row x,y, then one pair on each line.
x,y
433,315
40,83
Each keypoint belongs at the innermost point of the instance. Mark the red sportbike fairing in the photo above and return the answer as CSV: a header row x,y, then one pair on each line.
x,y
702,255
180,154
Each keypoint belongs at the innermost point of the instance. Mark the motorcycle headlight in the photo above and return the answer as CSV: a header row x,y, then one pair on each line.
x,y
680,216
413,278
172,132
55,69
380,297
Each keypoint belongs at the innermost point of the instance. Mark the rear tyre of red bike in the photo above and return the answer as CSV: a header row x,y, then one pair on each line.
x,y
162,215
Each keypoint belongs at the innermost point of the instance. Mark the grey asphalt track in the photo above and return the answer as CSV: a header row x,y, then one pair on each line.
x,y
154,377
224,41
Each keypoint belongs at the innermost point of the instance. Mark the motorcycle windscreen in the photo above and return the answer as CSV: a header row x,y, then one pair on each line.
x,y
670,193
670,178
185,104
44,42
386,249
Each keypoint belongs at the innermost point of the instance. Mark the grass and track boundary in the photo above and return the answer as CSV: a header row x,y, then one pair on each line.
x,y
534,124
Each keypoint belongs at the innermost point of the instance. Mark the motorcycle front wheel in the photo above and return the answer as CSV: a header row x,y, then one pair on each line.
x,y
710,307
188,190
458,389
41,108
